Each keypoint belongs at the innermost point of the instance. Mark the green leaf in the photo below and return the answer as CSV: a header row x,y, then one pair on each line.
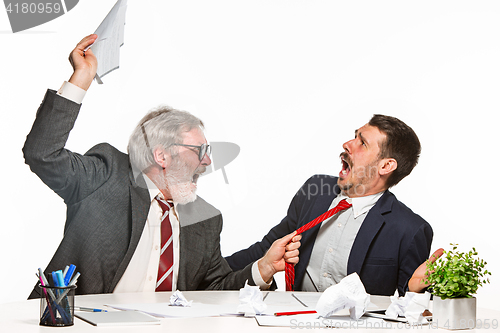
x,y
456,274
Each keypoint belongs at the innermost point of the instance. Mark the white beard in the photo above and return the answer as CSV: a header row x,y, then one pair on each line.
x,y
182,192
179,182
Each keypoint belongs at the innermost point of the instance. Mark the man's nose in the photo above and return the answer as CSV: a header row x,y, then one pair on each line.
x,y
206,161
347,146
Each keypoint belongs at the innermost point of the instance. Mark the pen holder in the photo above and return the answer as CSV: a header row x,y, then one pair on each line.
x,y
57,305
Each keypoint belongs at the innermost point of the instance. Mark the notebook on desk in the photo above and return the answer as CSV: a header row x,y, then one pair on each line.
x,y
117,318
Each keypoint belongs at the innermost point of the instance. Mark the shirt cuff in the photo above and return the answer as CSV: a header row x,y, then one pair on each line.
x,y
72,92
257,278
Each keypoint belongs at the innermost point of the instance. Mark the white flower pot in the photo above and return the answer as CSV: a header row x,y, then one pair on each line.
x,y
454,313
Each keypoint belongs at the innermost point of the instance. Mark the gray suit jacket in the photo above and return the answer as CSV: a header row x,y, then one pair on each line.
x,y
107,209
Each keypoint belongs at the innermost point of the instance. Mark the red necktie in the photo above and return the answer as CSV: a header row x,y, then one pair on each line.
x,y
289,269
165,268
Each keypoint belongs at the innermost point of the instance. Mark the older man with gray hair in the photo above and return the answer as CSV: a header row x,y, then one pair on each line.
x,y
134,222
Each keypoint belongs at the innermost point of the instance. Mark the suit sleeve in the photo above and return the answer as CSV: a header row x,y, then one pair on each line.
x,y
72,176
417,253
219,276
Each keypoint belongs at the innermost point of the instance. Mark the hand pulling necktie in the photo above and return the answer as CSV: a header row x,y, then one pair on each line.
x,y
289,269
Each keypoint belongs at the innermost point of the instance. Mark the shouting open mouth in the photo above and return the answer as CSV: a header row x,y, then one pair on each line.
x,y
198,172
346,165
194,180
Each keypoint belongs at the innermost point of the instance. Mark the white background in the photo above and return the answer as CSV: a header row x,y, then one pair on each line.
x,y
289,82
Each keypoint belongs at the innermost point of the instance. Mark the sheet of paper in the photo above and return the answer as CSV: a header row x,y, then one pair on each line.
x,y
117,318
110,38
275,301
311,299
166,310
308,299
310,321
278,298
283,302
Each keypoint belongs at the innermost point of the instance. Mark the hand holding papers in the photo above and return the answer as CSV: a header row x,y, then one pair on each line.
x,y
111,36
251,300
348,294
411,306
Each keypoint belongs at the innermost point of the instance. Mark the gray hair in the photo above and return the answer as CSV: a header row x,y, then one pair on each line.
x,y
159,128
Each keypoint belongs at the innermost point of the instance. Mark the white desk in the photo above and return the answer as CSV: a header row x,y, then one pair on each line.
x,y
20,317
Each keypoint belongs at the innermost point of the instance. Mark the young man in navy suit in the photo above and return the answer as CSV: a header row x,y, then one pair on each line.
x,y
378,237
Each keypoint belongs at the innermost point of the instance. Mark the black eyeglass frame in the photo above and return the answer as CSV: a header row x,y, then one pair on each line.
x,y
204,149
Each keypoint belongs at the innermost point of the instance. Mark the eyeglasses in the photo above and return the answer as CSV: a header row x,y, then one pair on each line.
x,y
203,150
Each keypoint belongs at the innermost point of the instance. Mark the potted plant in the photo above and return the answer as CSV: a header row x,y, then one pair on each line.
x,y
454,278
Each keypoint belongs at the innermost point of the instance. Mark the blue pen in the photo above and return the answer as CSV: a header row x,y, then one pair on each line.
x,y
73,280
60,279
80,308
69,274
55,280
71,283
64,305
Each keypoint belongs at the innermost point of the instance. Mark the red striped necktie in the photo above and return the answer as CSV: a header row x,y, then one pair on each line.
x,y
289,269
165,267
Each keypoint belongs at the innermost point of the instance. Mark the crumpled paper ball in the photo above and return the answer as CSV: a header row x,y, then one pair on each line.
x,y
251,300
411,306
178,299
349,293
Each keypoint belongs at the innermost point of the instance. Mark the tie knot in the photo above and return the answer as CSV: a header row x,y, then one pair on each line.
x,y
164,204
343,204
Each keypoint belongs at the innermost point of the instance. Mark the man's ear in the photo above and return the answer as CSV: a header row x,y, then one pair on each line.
x,y
162,158
387,165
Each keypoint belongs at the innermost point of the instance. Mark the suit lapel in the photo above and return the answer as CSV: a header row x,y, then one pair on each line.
x,y
191,237
139,205
193,241
371,225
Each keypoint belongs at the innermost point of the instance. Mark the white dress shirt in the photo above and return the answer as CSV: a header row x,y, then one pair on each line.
x,y
332,247
142,271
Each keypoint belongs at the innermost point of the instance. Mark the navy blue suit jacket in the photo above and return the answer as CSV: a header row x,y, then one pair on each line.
x,y
391,243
